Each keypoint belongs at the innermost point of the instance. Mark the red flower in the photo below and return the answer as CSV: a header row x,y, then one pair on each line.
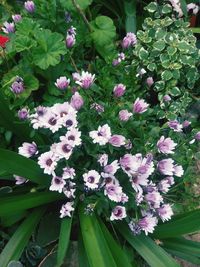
x,y
3,41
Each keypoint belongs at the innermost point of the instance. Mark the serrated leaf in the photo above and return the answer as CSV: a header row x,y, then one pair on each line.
x,y
49,50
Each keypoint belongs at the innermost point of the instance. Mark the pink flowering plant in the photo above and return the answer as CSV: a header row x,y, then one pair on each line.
x,y
102,143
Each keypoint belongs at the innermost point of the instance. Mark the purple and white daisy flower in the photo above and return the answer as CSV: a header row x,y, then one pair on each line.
x,y
57,184
165,212
64,149
28,149
48,162
102,135
117,140
112,168
86,80
66,209
73,136
68,173
91,179
118,213
29,6
148,223
166,145
62,83
140,106
178,170
166,166
8,27
113,192
124,115
103,159
119,90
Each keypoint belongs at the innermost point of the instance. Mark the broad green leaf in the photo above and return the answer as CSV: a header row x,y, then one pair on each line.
x,y
68,4
119,255
26,201
96,247
143,54
14,217
189,223
166,9
184,256
195,30
14,163
103,34
153,254
130,11
48,229
184,7
64,237
183,245
103,30
49,49
19,240
175,91
82,257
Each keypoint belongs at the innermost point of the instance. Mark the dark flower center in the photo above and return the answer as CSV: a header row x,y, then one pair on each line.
x,y
118,212
69,123
66,148
91,179
71,137
52,121
49,162
57,180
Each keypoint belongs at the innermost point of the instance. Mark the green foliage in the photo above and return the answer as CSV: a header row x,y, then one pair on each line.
x,y
103,35
19,240
49,49
68,4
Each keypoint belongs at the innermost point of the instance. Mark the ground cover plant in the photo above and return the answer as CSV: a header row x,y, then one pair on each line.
x,y
99,134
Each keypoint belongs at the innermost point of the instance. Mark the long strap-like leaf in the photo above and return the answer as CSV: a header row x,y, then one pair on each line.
x,y
14,163
19,240
153,254
26,201
182,224
63,243
96,247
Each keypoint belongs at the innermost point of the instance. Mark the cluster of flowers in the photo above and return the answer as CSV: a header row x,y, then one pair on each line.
x,y
176,4
9,27
149,194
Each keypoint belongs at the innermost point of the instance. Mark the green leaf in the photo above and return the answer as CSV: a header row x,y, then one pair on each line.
x,y
63,244
166,9
48,230
68,5
49,50
175,91
22,166
119,255
184,256
189,222
104,30
96,247
143,54
26,201
23,43
159,45
153,254
103,35
183,245
130,11
152,7
15,246
82,257
166,75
